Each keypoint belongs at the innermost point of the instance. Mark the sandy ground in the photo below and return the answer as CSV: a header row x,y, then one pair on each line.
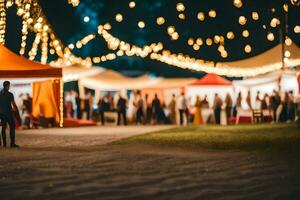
x,y
79,164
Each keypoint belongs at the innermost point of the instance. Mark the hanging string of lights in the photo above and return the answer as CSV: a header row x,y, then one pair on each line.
x,y
2,21
34,19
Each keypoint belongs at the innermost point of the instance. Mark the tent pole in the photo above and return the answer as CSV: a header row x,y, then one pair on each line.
x,y
61,103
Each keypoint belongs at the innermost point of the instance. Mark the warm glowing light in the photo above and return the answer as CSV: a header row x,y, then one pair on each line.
x,y
208,42
180,7
181,16
255,16
245,33
274,22
199,41
119,17
212,13
230,35
171,29
201,16
270,36
238,3
131,4
287,54
141,24
248,48
190,41
288,41
297,29
160,20
242,20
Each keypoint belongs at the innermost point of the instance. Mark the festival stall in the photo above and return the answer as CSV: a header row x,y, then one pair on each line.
x,y
166,87
76,72
209,85
45,82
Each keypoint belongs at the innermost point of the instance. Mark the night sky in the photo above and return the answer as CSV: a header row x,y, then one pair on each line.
x,y
68,24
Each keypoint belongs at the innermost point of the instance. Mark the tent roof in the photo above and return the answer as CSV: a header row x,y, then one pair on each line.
x,y
171,83
270,57
15,66
111,80
75,72
212,79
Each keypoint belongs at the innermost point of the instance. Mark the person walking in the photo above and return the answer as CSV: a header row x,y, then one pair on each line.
x,y
7,107
121,108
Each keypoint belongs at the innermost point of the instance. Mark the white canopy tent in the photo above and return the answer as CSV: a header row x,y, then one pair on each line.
x,y
266,84
268,61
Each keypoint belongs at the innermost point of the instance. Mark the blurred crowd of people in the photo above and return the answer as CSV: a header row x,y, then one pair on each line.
x,y
180,110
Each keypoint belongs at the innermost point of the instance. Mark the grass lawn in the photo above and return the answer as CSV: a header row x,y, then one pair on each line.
x,y
240,137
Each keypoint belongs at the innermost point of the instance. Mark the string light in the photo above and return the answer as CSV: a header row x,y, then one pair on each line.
x,y
119,17
242,20
180,7
74,2
160,20
201,16
230,35
288,41
255,16
212,13
274,22
245,33
297,29
248,48
141,24
2,21
131,4
238,3
270,36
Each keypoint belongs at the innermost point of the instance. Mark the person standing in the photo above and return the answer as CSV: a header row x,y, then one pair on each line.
x,y
291,107
172,109
148,109
275,101
7,107
182,107
156,107
248,100
217,108
198,113
139,109
228,107
121,108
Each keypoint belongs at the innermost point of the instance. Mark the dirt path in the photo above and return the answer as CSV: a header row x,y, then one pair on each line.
x,y
64,170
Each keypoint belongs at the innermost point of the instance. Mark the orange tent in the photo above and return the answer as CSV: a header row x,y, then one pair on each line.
x,y
212,79
46,94
15,66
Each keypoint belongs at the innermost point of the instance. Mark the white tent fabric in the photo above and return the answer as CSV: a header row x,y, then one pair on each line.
x,y
110,80
265,62
76,72
266,84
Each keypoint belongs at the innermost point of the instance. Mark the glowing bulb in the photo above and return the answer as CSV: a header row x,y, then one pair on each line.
x,y
171,29
245,33
199,41
190,41
208,42
287,54
270,36
131,4
238,3
255,16
248,48
181,16
242,20
141,24
288,41
212,13
230,35
119,17
201,16
160,20
180,7
297,29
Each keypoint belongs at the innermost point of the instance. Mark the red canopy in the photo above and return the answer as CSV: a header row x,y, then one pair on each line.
x,y
212,79
15,66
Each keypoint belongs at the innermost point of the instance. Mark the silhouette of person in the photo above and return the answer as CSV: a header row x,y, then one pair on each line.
x,y
7,108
